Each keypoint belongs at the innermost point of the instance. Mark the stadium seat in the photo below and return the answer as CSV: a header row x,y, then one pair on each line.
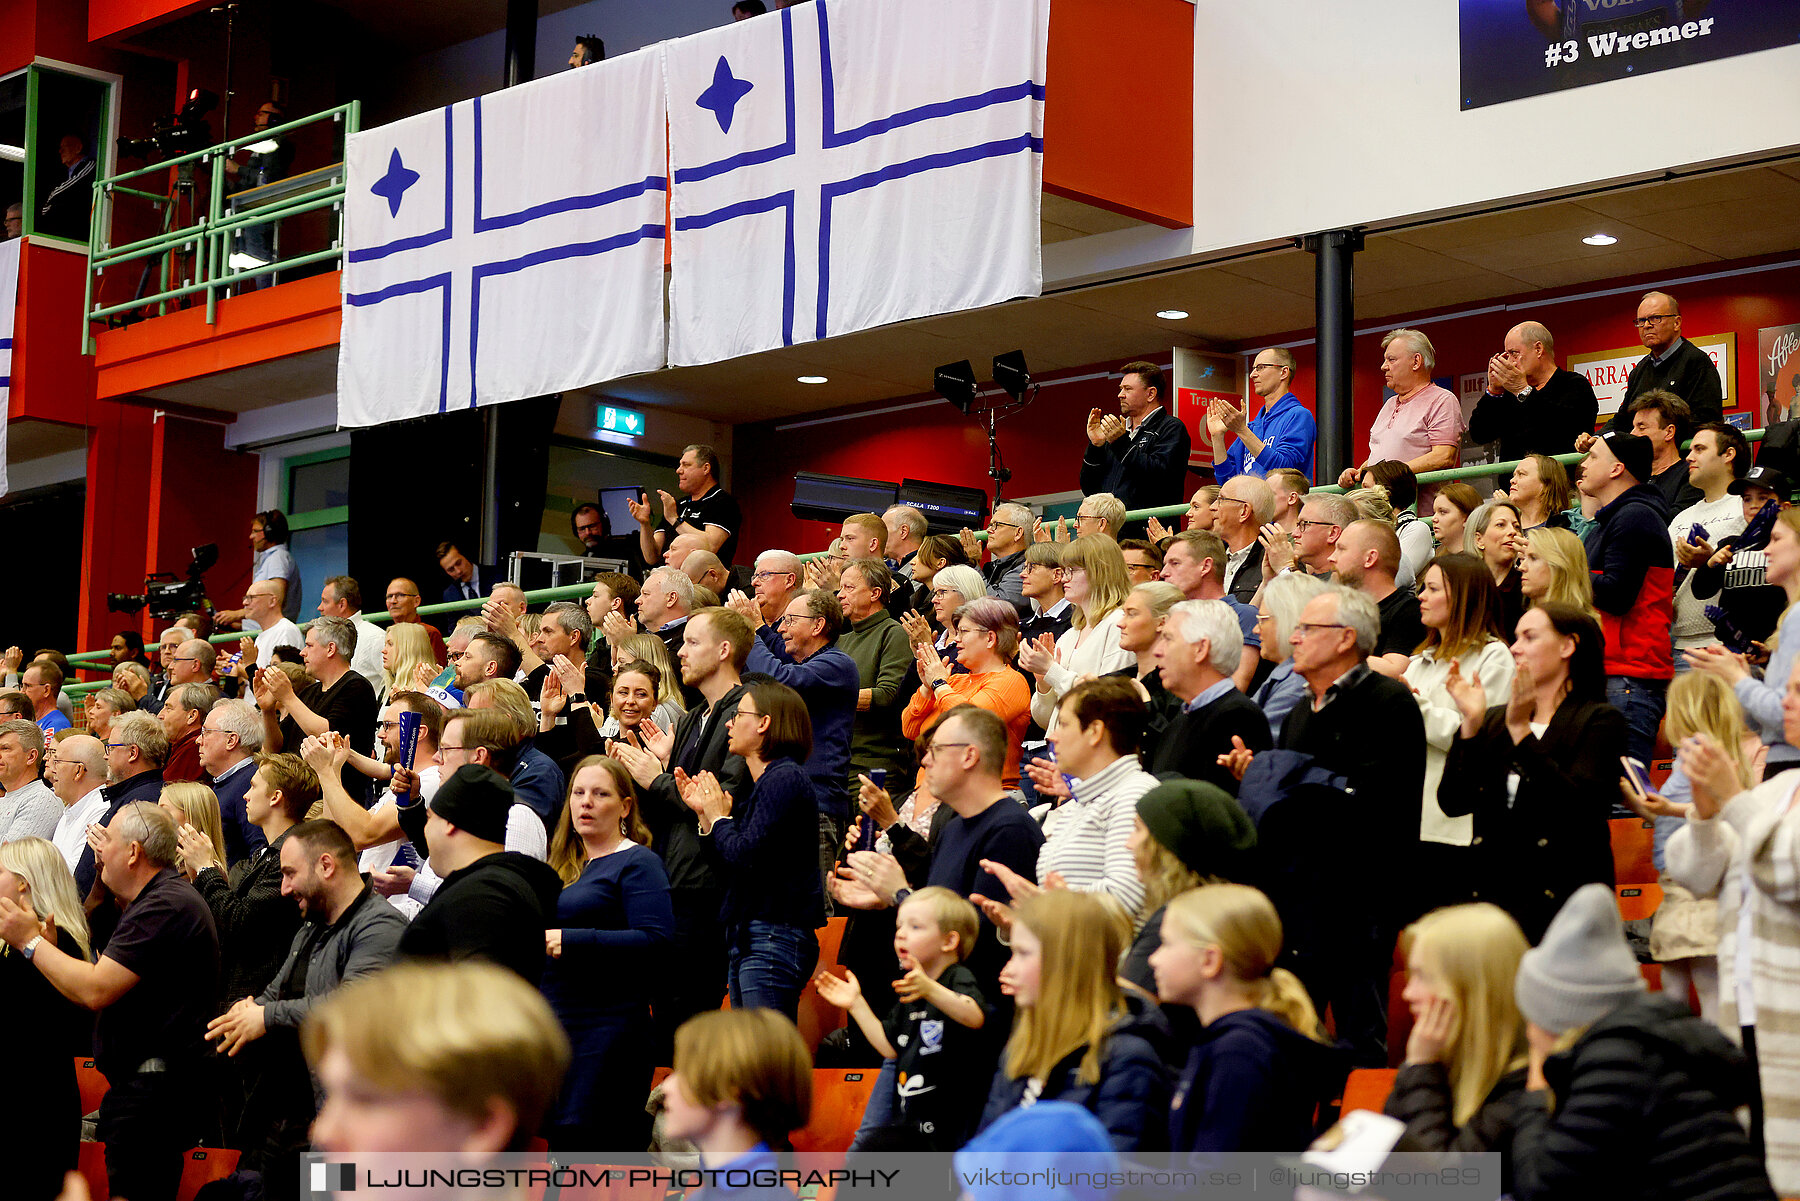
x,y
817,1016
203,1166
1638,901
1652,973
839,1096
92,1084
92,1166
1368,1088
1632,839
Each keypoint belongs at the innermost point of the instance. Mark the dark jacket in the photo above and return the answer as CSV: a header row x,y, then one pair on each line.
x,y
364,939
1643,1110
146,787
495,909
1422,1099
1249,576
1688,373
1193,742
1144,472
827,682
255,921
675,835
241,838
1534,849
1253,1083
1131,1096
1545,422
1633,567
770,851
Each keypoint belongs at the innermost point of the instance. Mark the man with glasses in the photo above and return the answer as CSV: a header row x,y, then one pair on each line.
x,y
1323,519
155,986
29,809
403,606
1282,435
1139,454
1197,651
1244,506
182,716
1531,405
1041,582
192,663
77,772
1366,728
1101,513
229,738
1143,562
1009,533
1673,363
262,604
775,582
800,650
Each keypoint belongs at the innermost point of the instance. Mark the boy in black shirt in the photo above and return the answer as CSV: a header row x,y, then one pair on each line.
x,y
942,1063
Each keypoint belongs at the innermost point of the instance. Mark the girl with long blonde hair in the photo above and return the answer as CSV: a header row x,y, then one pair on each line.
x,y
1074,1038
1554,567
1684,934
407,648
1465,1057
1256,1078
1095,583
196,805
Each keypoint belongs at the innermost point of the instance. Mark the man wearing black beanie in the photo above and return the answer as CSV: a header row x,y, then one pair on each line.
x,y
1633,568
493,903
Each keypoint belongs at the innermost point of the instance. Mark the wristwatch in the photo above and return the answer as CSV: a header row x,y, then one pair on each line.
x,y
30,948
578,698
1527,390
900,897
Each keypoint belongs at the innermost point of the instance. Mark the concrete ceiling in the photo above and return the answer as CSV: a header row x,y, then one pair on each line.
x,y
1660,227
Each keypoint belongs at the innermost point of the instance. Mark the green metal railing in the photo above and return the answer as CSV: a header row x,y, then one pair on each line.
x,y
208,239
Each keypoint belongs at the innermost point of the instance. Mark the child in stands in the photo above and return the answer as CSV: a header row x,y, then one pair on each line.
x,y
1465,1057
931,1034
742,1084
1260,1068
1074,1037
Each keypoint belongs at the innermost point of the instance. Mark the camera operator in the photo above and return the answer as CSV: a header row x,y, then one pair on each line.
x,y
271,159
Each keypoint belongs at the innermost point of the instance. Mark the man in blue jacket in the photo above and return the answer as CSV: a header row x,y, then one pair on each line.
x,y
1139,455
800,650
1282,435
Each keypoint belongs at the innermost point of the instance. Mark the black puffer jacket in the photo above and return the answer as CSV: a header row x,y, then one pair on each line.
x,y
1644,1107
1422,1099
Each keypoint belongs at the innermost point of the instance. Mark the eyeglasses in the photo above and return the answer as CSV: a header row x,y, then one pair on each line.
x,y
1009,524
942,592
205,730
1305,628
1233,500
787,617
445,750
971,631
935,747
187,658
1080,517
1304,524
1262,617
385,726
742,712
1653,319
116,746
764,575
400,595
1255,367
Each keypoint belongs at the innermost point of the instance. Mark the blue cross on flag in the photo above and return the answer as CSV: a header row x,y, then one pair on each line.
x,y
508,246
849,163
9,288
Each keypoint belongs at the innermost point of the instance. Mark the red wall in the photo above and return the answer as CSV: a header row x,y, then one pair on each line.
x,y
1043,445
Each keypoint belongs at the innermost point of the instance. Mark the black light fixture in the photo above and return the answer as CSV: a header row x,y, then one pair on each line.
x,y
955,382
1011,373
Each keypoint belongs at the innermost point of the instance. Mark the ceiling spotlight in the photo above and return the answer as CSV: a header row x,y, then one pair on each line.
x,y
1172,314
955,382
812,379
1599,239
1011,373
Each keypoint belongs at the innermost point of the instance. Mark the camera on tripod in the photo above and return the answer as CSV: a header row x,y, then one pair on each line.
x,y
177,134
166,596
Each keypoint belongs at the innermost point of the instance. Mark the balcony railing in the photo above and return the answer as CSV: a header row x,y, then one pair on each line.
x,y
193,258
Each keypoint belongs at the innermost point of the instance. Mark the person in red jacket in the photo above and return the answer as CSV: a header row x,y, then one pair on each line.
x,y
1633,568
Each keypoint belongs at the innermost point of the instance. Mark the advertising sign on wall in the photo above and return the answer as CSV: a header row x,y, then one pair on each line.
x,y
1608,370
1200,379
1515,48
1778,373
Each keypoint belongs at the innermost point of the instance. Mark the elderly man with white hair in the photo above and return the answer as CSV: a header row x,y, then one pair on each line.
x,y
906,528
1009,532
1420,424
1197,652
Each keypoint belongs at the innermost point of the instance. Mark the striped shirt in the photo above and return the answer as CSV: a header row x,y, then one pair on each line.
x,y
1085,837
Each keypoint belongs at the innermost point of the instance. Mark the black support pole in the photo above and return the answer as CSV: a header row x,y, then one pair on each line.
x,y
521,41
1334,301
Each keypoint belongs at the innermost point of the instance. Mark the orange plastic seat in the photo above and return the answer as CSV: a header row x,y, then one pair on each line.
x,y
1399,1020
1638,901
1368,1088
839,1097
1652,974
203,1166
92,1084
1632,841
91,1163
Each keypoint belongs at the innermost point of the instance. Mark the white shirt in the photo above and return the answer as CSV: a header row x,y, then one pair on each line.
x,y
71,828
1722,518
282,633
366,662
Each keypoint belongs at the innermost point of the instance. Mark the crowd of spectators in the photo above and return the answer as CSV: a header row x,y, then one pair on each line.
x,y
1120,826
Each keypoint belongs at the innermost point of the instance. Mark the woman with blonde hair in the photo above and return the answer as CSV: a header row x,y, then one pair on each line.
x,y
612,925
1684,934
648,648
1465,1057
1074,1038
1095,583
196,805
406,650
42,1131
1493,537
1261,1068
1459,608
1554,567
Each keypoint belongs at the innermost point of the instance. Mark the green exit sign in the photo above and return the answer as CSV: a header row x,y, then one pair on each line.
x,y
614,420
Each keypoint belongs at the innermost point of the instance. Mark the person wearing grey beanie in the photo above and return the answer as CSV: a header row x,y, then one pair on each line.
x,y
1628,1093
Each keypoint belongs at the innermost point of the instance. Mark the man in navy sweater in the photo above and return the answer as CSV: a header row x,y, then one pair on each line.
x,y
800,650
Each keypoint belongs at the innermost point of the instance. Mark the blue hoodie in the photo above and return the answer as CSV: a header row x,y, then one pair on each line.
x,y
1253,1083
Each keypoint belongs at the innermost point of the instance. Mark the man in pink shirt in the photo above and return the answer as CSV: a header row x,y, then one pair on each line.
x,y
1421,423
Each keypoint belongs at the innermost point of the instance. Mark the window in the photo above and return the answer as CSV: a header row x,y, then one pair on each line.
x,y
315,495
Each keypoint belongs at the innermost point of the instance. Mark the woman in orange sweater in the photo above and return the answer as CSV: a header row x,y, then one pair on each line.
x,y
987,638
